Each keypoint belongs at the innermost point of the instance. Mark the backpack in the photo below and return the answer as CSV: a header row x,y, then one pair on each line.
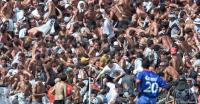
x,y
183,96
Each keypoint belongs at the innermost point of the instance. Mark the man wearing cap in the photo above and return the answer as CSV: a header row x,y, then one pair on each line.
x,y
176,60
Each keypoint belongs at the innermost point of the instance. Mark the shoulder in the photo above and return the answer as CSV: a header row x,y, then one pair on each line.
x,y
116,65
140,74
106,68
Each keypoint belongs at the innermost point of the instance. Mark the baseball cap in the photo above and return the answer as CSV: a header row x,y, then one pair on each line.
x,y
173,50
84,60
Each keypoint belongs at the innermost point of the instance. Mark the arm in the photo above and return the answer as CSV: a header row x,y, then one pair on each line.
x,y
155,29
26,2
162,83
50,8
53,90
60,13
174,64
138,80
165,74
34,93
4,8
137,30
14,84
33,52
65,90
18,87
122,73
47,73
101,73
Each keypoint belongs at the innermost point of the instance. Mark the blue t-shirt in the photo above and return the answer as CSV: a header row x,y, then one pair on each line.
x,y
150,83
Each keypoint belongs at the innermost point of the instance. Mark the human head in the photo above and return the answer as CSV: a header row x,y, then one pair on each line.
x,y
146,64
110,63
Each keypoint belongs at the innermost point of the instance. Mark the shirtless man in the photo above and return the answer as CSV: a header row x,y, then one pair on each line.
x,y
6,10
165,41
38,92
23,89
185,47
170,71
122,10
153,26
59,90
176,60
51,13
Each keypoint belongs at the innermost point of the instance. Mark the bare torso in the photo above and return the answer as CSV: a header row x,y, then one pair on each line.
x,y
170,71
166,42
25,88
60,89
38,89
176,62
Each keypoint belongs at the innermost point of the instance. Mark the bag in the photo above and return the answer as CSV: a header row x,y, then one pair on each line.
x,y
182,95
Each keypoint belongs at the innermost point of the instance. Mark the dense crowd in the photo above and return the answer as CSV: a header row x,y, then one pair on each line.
x,y
99,51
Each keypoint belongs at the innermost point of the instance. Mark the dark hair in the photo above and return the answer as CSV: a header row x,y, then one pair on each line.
x,y
151,16
156,48
164,24
197,11
139,55
188,30
146,63
181,20
55,1
182,13
149,42
63,77
162,8
182,39
138,3
198,56
198,2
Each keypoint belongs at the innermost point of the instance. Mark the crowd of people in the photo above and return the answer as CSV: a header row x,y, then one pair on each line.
x,y
99,51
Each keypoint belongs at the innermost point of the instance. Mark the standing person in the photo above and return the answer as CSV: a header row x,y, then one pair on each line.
x,y
59,90
23,89
149,84
176,60
38,91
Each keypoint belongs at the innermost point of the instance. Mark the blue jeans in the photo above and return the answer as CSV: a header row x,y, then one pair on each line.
x,y
145,100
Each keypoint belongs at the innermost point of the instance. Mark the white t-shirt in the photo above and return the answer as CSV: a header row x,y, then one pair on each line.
x,y
107,28
112,94
107,25
111,71
138,65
